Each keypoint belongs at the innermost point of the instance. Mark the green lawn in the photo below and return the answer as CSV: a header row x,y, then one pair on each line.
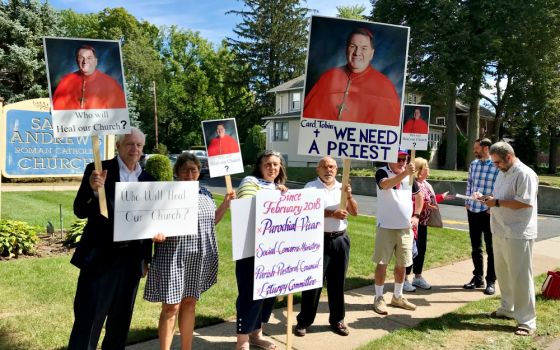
x,y
39,207
469,327
37,294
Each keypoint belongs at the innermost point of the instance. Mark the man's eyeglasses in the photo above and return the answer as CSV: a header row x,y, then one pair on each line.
x,y
403,160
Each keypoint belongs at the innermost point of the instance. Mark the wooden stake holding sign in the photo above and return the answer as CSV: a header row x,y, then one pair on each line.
x,y
229,187
412,156
289,321
98,167
345,181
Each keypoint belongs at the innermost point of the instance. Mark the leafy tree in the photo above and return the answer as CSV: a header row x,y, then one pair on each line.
x,y
229,88
351,12
479,44
526,142
184,99
254,143
271,45
22,69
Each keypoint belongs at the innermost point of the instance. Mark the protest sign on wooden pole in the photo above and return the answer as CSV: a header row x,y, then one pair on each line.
x,y
289,321
345,180
98,167
222,147
412,156
288,249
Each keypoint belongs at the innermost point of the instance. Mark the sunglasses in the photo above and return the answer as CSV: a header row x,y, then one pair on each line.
x,y
404,160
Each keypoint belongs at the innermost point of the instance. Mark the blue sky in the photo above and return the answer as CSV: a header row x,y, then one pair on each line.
x,y
205,16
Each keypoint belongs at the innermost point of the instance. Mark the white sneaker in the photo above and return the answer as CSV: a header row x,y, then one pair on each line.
x,y
407,287
421,283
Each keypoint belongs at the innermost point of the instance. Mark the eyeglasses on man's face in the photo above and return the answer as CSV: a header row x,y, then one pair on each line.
x,y
402,160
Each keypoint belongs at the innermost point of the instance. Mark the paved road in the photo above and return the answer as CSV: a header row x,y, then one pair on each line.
x,y
453,216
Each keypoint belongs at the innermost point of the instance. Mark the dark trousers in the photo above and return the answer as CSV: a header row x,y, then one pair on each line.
x,y
479,226
251,314
106,291
335,263
421,244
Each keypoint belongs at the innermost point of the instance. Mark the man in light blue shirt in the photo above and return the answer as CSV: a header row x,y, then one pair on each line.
x,y
481,178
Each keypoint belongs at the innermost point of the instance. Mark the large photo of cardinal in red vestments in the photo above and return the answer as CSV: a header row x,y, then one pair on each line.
x,y
355,71
85,74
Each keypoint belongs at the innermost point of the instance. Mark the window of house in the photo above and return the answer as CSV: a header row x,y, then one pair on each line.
x,y
434,139
296,101
280,131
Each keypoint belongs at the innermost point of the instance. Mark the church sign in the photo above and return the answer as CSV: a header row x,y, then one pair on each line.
x,y
30,149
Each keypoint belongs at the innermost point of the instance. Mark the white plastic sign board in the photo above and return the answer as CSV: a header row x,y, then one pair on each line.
x,y
143,209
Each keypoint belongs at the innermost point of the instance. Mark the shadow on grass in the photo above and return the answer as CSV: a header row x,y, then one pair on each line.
x,y
357,282
478,322
7,341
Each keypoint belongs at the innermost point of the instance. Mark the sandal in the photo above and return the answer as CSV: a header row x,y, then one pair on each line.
x,y
524,331
262,343
495,314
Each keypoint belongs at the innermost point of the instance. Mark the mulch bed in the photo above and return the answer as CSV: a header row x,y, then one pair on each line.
x,y
47,246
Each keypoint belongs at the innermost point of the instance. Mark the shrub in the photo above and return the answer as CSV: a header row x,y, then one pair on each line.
x,y
74,235
17,237
160,167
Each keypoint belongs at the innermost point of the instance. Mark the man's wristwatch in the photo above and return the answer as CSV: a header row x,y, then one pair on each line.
x,y
416,216
497,203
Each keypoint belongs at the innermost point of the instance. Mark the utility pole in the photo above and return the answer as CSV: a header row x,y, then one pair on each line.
x,y
155,114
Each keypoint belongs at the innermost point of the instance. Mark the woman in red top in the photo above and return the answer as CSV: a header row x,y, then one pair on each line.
x,y
430,200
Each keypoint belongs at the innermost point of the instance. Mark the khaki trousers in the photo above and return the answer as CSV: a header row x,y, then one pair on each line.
x,y
514,271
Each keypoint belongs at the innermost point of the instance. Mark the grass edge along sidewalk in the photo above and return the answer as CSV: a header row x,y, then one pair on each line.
x,y
470,327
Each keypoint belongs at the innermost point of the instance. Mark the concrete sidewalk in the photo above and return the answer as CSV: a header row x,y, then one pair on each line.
x,y
365,325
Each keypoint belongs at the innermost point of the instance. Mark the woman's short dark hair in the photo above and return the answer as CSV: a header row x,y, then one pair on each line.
x,y
183,159
282,175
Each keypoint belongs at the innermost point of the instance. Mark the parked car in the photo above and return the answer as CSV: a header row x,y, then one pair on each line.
x,y
203,157
173,158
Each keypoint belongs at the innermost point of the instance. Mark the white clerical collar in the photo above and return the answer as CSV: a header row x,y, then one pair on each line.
x,y
127,175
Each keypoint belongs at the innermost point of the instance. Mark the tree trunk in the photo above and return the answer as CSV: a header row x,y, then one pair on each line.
x,y
553,151
474,117
451,130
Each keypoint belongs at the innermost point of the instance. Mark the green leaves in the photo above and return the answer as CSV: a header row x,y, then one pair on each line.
x,y
160,167
16,238
74,235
